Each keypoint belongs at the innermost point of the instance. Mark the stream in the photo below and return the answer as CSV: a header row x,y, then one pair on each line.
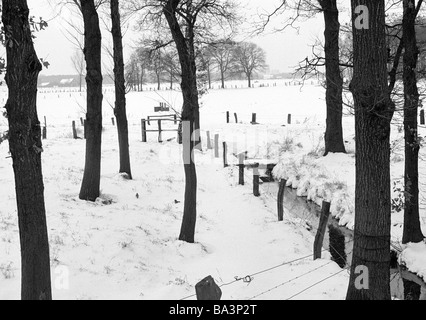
x,y
307,213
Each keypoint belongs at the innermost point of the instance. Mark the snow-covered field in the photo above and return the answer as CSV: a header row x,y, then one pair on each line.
x,y
125,245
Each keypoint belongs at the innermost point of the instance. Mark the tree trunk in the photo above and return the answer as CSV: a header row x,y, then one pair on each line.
x,y
373,113
209,77
190,109
158,82
120,90
92,52
249,80
412,230
222,78
334,82
23,67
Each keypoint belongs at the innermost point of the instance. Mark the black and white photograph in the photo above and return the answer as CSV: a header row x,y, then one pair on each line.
x,y
212,155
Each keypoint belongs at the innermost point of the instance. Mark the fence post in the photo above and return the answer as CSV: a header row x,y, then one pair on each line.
x,y
241,158
74,131
289,119
207,289
280,199
216,146
209,141
422,117
256,192
319,237
81,121
227,116
160,135
236,117
175,118
44,133
113,121
225,155
253,118
337,245
143,125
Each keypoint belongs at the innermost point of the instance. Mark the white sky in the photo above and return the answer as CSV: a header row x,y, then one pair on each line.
x,y
284,50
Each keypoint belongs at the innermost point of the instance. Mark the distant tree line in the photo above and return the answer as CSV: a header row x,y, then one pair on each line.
x,y
221,60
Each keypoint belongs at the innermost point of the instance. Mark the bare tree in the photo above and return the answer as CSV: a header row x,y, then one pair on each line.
x,y
412,230
222,54
171,66
206,63
249,58
120,90
188,21
157,65
79,65
90,186
373,113
23,67
132,72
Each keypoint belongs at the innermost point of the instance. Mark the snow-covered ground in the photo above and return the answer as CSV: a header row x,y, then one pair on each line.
x,y
125,245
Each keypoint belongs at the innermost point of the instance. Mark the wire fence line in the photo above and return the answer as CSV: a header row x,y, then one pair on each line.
x,y
249,278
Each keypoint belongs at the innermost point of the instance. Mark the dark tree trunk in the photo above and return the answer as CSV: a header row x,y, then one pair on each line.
x,y
373,113
23,67
209,77
412,230
120,90
222,77
190,112
92,52
141,81
249,79
158,82
334,82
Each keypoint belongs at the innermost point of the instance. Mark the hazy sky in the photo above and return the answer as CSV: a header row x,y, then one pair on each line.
x,y
284,49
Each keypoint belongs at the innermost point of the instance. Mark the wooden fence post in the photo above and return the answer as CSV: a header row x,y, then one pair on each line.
x,y
241,158
209,141
337,245
227,116
422,117
253,118
216,146
256,192
225,155
236,117
319,237
143,125
113,121
160,134
207,289
289,119
74,131
175,118
280,199
44,133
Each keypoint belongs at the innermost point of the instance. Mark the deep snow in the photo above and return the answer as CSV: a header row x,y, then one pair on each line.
x,y
125,245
